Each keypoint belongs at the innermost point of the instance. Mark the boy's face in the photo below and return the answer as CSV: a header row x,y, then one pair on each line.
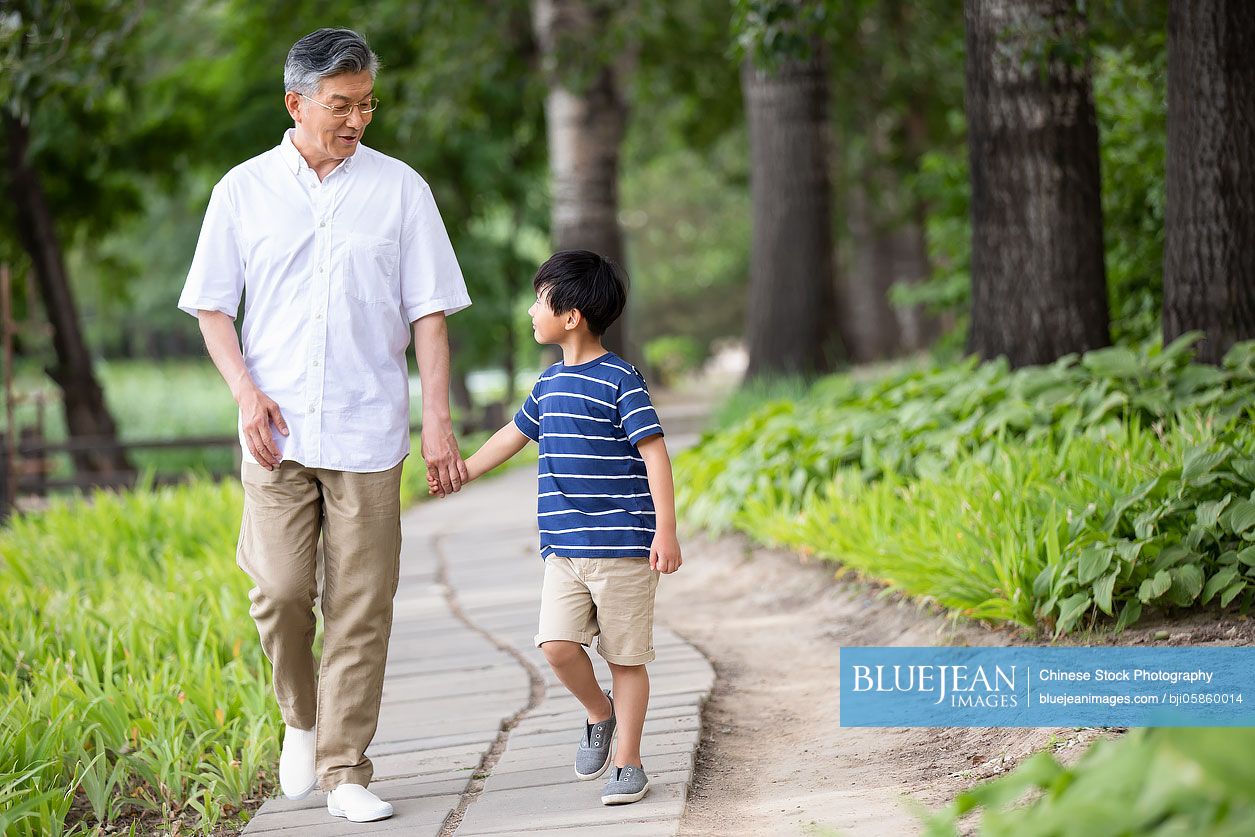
x,y
548,327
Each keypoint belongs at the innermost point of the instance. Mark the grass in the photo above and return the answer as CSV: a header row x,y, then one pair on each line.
x,y
134,687
135,693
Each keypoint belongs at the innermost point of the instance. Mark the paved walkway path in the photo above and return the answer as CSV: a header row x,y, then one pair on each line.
x,y
476,735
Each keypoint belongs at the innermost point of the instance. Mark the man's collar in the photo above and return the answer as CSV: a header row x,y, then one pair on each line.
x,y
291,157
296,162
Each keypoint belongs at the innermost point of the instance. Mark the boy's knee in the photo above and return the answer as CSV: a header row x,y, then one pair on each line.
x,y
617,668
559,652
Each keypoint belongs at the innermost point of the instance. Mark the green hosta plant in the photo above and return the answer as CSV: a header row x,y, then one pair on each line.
x,y
1161,781
1184,536
1024,537
1045,497
918,422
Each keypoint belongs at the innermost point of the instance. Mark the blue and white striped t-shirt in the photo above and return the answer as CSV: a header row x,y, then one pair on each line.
x,y
593,496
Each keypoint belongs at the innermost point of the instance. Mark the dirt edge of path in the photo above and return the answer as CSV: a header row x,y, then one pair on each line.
x,y
773,759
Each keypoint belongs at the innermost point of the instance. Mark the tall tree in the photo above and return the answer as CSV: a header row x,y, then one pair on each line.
x,y
894,81
64,85
586,113
791,310
1209,244
870,327
1038,278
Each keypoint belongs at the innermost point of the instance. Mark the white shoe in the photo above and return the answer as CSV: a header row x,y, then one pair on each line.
x,y
296,763
356,804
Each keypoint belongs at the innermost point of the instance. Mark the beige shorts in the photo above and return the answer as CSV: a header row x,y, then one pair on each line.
x,y
608,598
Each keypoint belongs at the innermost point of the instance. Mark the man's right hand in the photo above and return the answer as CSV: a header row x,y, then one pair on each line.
x,y
258,412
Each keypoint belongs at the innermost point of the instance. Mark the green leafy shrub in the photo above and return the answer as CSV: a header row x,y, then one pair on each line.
x,y
754,394
673,356
916,422
1151,782
1040,497
1130,97
1046,532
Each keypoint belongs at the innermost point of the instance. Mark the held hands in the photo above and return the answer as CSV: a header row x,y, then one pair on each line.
x,y
433,485
446,472
664,553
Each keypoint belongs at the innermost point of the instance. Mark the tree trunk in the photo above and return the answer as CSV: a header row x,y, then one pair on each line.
x,y
791,307
1039,285
1209,224
585,123
869,324
920,328
85,411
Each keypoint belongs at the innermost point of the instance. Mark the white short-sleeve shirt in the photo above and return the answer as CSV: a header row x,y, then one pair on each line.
x,y
332,275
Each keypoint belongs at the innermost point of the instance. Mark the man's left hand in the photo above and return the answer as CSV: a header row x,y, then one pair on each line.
x,y
444,460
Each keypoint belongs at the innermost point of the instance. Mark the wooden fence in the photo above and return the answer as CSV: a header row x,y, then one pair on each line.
x,y
26,456
26,464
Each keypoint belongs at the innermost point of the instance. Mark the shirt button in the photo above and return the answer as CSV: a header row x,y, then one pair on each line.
x,y
315,363
318,316
312,409
322,223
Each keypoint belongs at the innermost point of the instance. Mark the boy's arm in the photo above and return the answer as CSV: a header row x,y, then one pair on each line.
x,y
665,553
504,444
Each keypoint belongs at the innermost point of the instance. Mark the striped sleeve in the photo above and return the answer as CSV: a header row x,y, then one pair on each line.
x,y
527,419
636,411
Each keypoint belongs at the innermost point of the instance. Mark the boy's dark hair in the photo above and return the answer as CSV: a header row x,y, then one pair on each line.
x,y
579,280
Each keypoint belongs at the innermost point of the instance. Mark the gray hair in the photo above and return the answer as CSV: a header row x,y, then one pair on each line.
x,y
325,53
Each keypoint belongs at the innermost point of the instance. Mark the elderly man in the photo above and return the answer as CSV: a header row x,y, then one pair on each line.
x,y
340,250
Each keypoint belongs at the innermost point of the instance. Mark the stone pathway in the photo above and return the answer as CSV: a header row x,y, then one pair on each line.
x,y
476,735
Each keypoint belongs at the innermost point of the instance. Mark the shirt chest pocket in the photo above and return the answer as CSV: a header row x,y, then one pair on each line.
x,y
370,273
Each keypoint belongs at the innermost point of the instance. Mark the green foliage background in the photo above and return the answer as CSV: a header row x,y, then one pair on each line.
x,y
1040,497
1055,499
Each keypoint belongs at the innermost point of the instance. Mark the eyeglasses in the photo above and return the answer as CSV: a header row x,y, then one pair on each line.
x,y
341,111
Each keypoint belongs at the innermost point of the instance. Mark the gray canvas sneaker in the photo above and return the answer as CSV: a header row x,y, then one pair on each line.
x,y
626,784
593,756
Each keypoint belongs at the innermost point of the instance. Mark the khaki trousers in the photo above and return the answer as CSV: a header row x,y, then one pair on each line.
x,y
359,517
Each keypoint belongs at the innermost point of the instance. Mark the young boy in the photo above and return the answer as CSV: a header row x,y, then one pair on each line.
x,y
606,509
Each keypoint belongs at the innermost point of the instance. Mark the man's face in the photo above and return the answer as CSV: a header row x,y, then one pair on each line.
x,y
321,132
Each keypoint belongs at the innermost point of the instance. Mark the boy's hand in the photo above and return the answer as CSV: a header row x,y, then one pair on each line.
x,y
434,488
664,553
